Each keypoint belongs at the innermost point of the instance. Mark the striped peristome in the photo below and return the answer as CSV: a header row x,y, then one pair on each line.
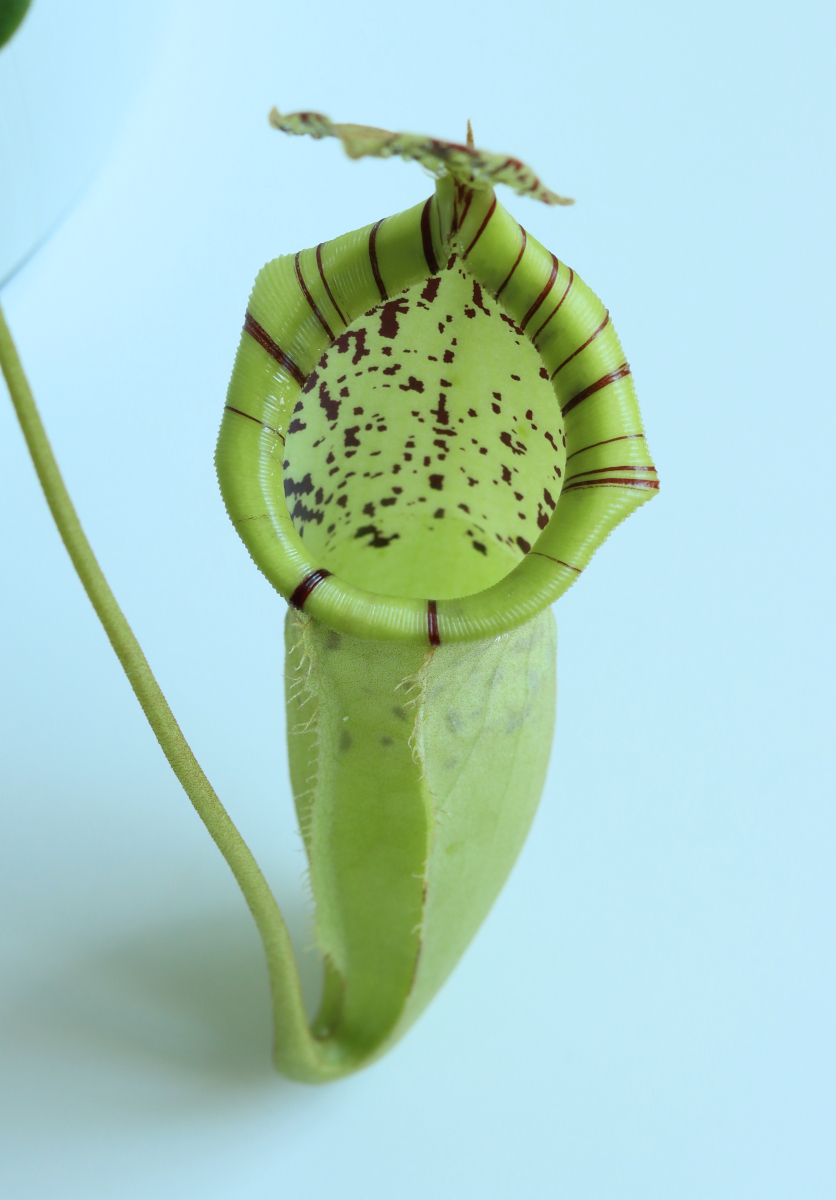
x,y
431,427
302,303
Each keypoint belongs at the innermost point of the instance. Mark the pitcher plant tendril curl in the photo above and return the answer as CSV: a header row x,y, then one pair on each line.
x,y
429,430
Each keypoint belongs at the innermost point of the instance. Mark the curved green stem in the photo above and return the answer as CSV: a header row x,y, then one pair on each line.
x,y
297,1053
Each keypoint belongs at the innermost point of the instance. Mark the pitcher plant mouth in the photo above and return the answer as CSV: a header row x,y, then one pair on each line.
x,y
431,425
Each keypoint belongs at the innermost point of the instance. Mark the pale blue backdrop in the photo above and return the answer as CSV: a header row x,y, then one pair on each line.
x,y
648,1012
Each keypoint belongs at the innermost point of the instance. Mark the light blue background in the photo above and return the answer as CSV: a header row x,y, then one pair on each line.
x,y
66,80
648,1011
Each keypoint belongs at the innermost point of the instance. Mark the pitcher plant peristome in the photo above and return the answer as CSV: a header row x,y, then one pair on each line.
x,y
420,537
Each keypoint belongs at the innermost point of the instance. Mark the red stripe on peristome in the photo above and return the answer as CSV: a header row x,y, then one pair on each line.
x,y
427,238
432,623
260,334
622,437
543,294
603,382
559,561
481,228
458,192
603,471
373,259
591,338
311,300
557,306
466,208
639,483
229,408
325,282
517,263
306,587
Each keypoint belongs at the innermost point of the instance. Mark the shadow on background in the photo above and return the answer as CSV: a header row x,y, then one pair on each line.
x,y
184,1008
